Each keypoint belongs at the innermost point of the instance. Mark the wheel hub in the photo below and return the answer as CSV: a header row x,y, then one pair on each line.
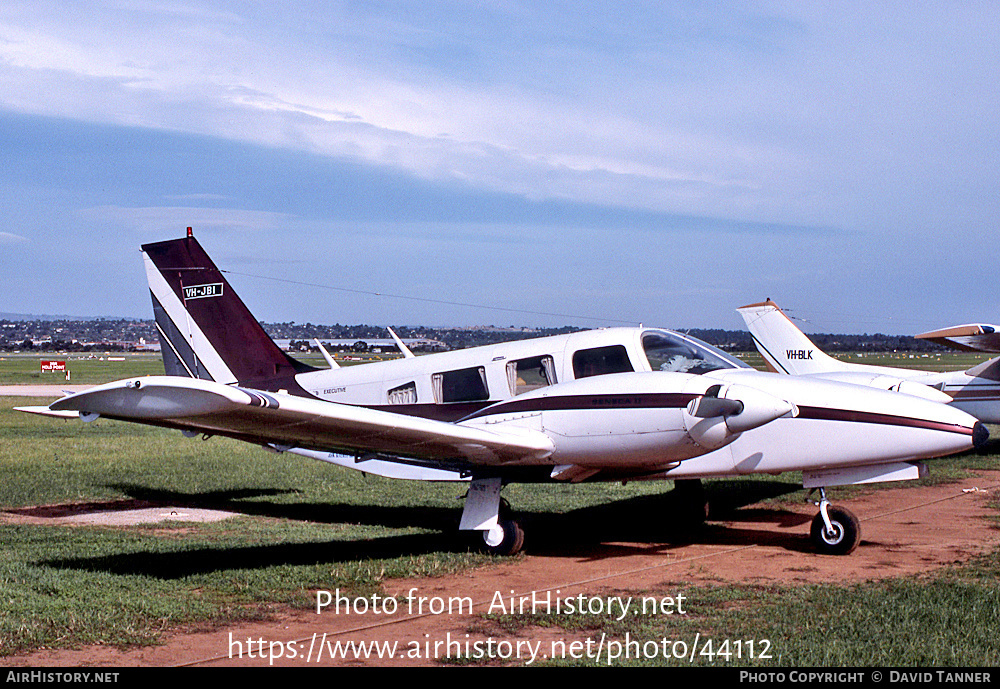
x,y
834,535
493,536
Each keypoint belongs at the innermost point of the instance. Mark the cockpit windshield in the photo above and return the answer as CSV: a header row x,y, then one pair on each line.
x,y
667,351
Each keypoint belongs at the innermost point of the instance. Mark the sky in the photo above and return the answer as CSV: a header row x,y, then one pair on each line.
x,y
509,163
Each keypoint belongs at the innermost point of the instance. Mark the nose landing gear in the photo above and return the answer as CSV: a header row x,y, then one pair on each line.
x,y
835,530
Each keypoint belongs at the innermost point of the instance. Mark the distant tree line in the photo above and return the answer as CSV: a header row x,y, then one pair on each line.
x,y
29,345
740,341
124,334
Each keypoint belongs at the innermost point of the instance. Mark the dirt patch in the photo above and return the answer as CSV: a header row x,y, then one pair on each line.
x,y
110,513
905,531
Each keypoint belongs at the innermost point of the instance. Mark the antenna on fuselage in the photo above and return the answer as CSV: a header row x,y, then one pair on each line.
x,y
407,354
326,354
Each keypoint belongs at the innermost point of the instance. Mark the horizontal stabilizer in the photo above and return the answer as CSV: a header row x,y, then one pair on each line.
x,y
45,411
972,337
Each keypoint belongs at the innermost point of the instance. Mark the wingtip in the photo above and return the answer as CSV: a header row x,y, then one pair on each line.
x,y
955,331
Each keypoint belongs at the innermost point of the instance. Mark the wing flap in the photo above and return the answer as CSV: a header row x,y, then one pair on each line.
x,y
274,418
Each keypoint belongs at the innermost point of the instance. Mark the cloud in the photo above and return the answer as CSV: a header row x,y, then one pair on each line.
x,y
157,220
8,238
693,122
409,89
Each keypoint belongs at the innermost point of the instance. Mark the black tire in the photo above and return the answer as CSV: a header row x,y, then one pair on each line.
x,y
846,536
510,542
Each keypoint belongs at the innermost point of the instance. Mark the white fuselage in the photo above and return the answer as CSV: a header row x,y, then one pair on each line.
x,y
830,424
605,433
451,385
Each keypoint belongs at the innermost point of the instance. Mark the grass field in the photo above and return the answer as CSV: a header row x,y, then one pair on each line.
x,y
307,526
24,369
944,361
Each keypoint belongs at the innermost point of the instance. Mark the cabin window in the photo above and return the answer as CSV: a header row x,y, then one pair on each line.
x,y
525,375
464,385
601,361
404,394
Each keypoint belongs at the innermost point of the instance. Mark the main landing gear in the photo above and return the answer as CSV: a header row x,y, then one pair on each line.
x,y
835,530
689,502
497,532
506,538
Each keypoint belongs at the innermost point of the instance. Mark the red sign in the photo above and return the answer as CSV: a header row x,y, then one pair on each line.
x,y
53,366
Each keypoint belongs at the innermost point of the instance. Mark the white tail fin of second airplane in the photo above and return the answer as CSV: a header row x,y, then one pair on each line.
x,y
784,347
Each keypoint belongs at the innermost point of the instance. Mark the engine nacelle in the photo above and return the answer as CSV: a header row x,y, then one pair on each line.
x,y
724,411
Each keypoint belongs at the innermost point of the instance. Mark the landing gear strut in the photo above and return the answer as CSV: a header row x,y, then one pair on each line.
x,y
497,532
690,501
835,530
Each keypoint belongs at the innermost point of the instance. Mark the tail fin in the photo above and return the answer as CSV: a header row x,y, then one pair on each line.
x,y
784,347
206,331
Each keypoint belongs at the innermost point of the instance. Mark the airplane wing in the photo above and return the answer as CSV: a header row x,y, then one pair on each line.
x,y
285,421
972,337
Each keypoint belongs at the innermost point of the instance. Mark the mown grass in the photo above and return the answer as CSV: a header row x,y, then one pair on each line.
x,y
25,369
946,618
92,369
304,526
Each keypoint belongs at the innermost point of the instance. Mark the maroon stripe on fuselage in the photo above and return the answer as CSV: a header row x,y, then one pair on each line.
x,y
986,393
438,412
665,400
826,414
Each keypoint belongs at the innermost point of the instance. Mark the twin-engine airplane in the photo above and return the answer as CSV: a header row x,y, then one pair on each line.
x,y
601,405
787,350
